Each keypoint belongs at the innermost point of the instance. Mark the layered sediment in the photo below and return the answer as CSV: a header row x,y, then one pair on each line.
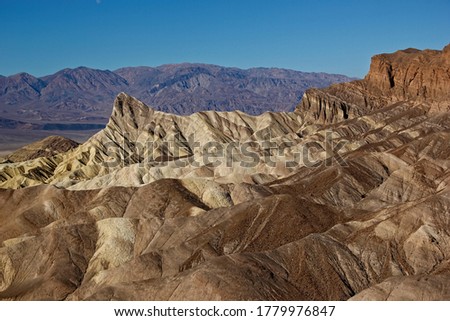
x,y
348,197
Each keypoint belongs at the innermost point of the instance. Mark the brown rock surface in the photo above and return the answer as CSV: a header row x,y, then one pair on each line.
x,y
366,221
412,74
47,147
422,77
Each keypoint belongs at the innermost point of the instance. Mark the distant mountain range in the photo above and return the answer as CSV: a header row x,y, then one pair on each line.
x,y
85,95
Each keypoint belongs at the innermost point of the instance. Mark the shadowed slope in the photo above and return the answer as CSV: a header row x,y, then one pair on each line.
x,y
363,215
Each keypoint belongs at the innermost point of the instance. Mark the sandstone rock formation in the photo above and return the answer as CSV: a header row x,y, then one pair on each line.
x,y
413,74
46,147
406,75
348,197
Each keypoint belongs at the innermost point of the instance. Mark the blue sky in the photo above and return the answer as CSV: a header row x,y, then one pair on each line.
x,y
41,37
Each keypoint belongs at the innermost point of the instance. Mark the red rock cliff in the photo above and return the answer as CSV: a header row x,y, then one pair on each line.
x,y
420,76
412,74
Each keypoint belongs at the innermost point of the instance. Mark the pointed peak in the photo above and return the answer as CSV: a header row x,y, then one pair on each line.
x,y
124,100
129,114
123,97
23,75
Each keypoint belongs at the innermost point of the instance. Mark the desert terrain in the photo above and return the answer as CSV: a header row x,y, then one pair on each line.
x,y
347,197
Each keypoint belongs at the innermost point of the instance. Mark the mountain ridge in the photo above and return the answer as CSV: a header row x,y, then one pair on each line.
x,y
85,96
418,76
80,93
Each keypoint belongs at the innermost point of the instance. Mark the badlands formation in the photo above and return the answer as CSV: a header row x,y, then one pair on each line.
x,y
347,197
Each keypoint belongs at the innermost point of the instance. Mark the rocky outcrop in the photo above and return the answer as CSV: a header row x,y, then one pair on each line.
x,y
46,147
422,77
412,74
325,108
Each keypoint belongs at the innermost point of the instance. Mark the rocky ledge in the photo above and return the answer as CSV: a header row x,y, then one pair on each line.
x,y
418,76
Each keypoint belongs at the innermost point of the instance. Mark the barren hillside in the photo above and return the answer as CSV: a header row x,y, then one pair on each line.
x,y
347,197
